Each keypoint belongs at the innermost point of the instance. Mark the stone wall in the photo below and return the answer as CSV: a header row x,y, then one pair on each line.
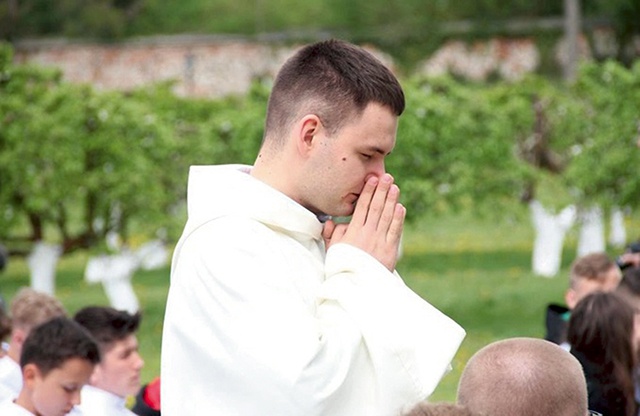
x,y
208,66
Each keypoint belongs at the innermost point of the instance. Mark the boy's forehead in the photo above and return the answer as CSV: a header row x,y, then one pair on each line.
x,y
130,341
72,369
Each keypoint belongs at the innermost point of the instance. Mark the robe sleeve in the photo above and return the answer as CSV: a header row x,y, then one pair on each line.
x,y
411,343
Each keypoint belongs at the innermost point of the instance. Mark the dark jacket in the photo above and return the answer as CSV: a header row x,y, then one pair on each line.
x,y
557,320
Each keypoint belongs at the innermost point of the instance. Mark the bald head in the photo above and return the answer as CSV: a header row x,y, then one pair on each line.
x,y
524,376
441,409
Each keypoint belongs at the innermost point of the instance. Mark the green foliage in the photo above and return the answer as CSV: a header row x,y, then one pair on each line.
x,y
455,148
76,163
463,145
603,167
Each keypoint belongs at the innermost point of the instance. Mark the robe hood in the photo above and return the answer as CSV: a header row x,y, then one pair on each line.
x,y
223,190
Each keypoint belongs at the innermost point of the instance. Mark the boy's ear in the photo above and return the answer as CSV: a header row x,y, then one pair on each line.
x,y
18,336
570,298
29,374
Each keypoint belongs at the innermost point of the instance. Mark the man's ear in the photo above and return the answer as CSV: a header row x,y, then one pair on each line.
x,y
309,127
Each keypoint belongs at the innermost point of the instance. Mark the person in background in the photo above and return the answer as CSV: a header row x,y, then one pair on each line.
x,y
594,272
602,333
57,359
630,257
117,376
629,289
273,307
523,377
29,309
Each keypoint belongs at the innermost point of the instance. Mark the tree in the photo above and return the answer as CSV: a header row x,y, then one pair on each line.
x,y
71,157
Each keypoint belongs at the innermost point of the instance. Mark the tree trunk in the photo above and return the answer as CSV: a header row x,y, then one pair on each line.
x,y
591,239
617,230
115,273
42,263
550,233
572,31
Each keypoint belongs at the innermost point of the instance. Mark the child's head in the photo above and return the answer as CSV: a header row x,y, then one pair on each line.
x,y
30,308
594,272
114,330
57,359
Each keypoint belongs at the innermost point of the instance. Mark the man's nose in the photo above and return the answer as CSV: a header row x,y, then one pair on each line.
x,y
377,170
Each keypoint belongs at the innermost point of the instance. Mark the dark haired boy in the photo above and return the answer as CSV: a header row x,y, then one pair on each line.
x,y
117,376
57,359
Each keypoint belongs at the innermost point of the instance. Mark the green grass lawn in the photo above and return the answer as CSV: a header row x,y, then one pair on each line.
x,y
476,271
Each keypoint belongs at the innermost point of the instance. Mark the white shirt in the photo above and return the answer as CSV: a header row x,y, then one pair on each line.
x,y
10,378
260,322
9,408
97,402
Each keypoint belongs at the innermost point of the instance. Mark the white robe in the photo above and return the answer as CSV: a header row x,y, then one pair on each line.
x,y
260,322
9,408
98,402
10,378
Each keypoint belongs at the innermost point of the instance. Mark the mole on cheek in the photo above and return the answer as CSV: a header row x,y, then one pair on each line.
x,y
344,159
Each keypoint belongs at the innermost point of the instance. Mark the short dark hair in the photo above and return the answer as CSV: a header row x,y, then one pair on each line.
x,y
52,343
334,80
106,324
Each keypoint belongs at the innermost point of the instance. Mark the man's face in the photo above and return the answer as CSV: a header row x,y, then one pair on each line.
x,y
119,369
340,164
56,393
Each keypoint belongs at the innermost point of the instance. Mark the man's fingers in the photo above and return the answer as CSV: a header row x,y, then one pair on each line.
x,y
364,200
339,232
378,201
397,223
327,231
387,214
333,233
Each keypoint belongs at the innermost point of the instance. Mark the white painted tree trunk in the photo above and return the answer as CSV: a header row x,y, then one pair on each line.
x,y
591,238
617,230
550,233
152,255
42,263
115,273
